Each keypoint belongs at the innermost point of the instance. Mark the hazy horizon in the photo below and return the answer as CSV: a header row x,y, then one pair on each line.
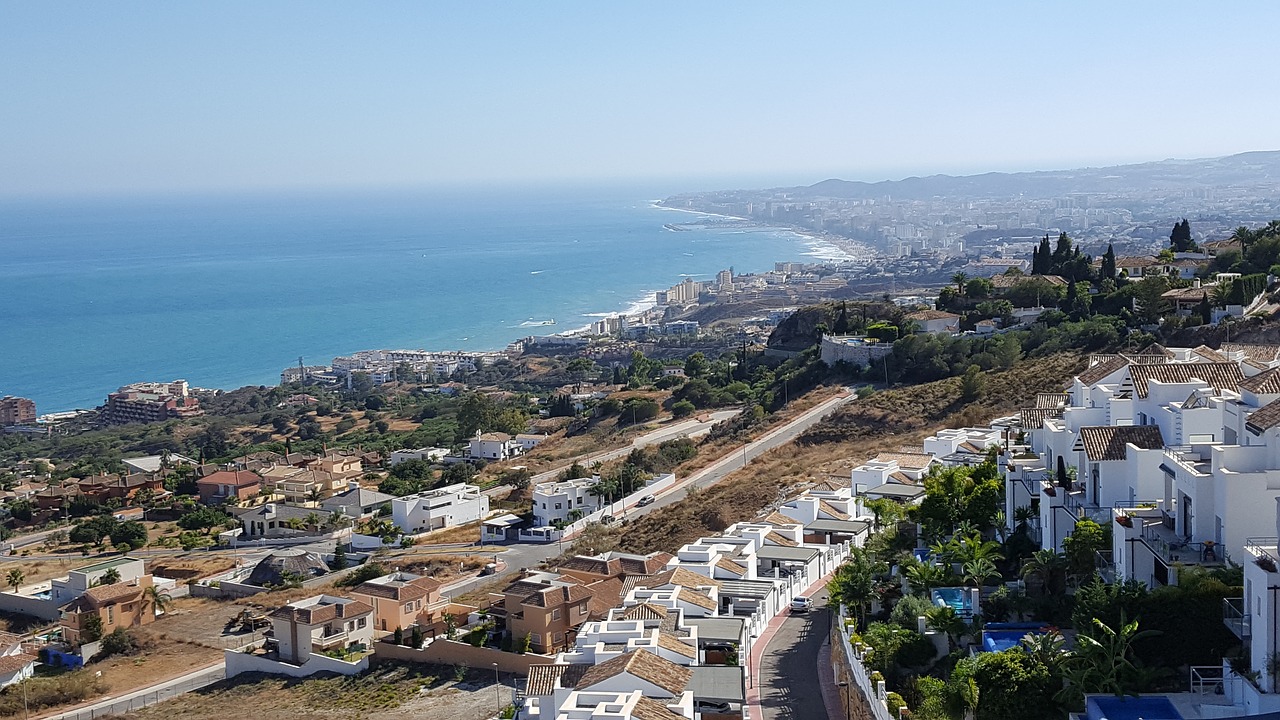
x,y
150,97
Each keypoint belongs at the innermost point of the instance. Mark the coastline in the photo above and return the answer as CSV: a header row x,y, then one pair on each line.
x,y
848,250
321,341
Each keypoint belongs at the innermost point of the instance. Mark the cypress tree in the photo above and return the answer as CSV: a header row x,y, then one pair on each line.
x,y
1109,264
1206,313
1045,256
1064,481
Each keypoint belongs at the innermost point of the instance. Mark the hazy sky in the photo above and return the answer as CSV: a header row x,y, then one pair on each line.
x,y
140,96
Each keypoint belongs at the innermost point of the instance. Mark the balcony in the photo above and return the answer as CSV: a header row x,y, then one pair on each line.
x,y
1263,550
1170,548
1079,507
330,641
1235,617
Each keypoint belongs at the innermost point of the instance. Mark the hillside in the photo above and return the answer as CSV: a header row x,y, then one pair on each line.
x,y
800,330
884,421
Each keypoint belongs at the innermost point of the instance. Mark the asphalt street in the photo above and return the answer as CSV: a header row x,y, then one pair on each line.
x,y
790,689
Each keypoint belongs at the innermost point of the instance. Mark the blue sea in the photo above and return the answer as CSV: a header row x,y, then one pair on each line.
x,y
225,291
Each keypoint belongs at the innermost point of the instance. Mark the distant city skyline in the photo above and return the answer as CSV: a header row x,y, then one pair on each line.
x,y
148,97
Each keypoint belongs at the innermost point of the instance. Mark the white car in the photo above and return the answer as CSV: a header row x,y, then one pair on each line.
x,y
646,500
801,604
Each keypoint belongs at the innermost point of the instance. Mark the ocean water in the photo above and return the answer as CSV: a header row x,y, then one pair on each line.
x,y
226,291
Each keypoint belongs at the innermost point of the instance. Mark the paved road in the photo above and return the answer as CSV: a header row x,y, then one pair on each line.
x,y
521,556
684,428
790,689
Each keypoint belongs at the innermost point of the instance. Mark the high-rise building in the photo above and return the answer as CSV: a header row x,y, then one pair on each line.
x,y
16,411
150,402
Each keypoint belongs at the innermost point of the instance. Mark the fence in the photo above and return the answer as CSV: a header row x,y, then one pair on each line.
x,y
451,652
138,701
849,668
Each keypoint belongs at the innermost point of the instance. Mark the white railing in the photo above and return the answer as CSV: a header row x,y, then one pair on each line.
x,y
874,693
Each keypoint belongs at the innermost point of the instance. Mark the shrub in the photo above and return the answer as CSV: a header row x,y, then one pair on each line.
x,y
682,409
117,642
368,571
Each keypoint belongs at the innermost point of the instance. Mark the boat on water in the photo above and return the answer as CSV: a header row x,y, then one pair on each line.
x,y
537,323
676,228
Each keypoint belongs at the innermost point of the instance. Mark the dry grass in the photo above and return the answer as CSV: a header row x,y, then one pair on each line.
x,y
35,571
386,692
883,422
469,533
186,568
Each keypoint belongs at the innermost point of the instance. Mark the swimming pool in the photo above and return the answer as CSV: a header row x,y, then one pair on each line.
x,y
1156,707
952,597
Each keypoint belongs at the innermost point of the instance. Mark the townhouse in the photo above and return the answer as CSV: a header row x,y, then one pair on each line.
x,y
448,506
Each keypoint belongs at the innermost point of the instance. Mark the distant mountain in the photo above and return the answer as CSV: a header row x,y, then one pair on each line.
x,y
1250,169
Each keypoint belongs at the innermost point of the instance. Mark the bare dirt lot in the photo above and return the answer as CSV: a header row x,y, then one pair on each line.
x,y
386,692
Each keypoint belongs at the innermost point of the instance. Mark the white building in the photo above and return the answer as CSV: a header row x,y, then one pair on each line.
x,y
431,455
936,321
558,499
493,447
448,506
854,349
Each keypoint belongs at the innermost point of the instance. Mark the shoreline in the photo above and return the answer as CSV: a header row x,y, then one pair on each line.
x,y
852,251
635,306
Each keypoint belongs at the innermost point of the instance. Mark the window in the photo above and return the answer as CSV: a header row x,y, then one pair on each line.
x,y
579,499
111,614
408,608
559,638
555,614
535,638
360,623
558,505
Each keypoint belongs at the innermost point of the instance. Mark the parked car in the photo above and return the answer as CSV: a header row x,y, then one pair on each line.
x,y
606,520
801,604
647,500
712,706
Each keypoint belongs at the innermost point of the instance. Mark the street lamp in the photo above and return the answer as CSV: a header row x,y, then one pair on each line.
x,y
848,709
497,688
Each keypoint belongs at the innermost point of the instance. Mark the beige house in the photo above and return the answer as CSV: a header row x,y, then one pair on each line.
x,y
402,600
319,624
126,604
547,608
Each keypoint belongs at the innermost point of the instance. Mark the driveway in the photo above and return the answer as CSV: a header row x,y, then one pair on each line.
x,y
789,686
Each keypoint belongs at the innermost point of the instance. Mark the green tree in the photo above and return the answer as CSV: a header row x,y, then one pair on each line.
x,y
1050,567
979,572
960,279
15,578
110,577
1082,546
91,628
972,383
339,556
682,409
157,599
1108,270
853,584
131,533
1104,662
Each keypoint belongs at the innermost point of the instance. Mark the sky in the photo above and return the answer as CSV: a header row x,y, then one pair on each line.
x,y
139,97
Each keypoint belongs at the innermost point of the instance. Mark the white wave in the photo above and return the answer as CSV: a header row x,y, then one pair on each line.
x,y
536,272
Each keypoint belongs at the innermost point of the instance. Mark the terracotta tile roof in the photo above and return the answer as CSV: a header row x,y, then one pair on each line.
x,y
10,664
644,611
778,539
1219,376
1191,294
557,596
315,614
1266,382
104,595
1265,418
1111,443
646,709
239,479
914,461
1264,354
697,597
640,664
833,484
592,565
667,641
1209,354
1005,281
777,518
1101,369
903,478
1033,418
732,567
835,512
398,590
1051,400
605,595
679,577
1155,349
1130,262
926,315
495,437
544,679
650,564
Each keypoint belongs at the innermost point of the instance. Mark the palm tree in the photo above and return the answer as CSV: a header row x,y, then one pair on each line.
x,y
1051,567
15,578
979,571
1047,647
972,548
960,279
313,520
1022,517
945,620
110,577
923,577
158,599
